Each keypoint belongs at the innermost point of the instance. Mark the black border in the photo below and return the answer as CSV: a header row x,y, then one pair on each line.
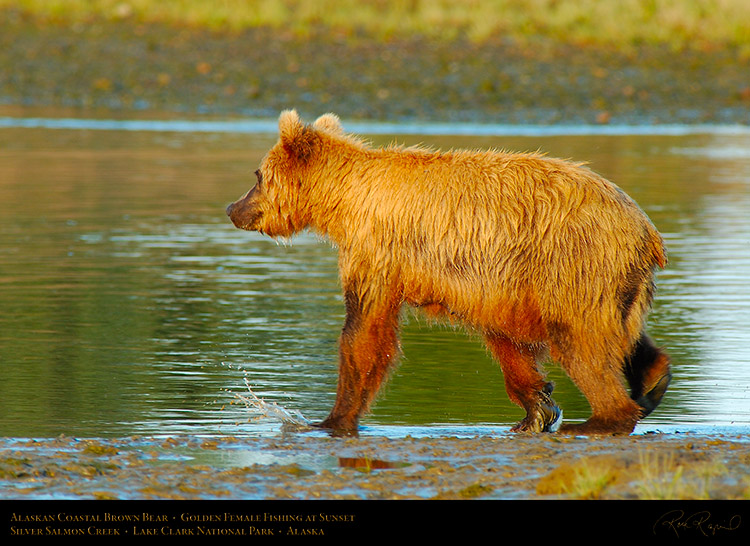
x,y
379,520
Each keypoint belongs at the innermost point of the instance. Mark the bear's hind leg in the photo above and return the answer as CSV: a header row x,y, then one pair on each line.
x,y
612,409
525,385
648,374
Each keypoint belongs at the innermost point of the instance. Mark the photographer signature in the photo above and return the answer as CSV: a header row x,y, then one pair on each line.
x,y
678,521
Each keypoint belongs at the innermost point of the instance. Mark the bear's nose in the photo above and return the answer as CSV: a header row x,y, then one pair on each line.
x,y
229,209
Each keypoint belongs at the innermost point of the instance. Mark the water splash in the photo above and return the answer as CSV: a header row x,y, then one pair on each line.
x,y
261,409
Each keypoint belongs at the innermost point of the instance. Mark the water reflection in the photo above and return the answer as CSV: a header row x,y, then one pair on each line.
x,y
131,306
366,464
711,283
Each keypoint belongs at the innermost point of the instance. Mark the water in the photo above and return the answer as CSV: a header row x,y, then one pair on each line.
x,y
131,306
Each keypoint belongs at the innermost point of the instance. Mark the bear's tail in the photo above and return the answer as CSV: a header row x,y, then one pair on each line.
x,y
648,374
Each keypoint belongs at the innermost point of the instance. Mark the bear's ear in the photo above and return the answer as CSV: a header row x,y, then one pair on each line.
x,y
329,122
288,122
298,140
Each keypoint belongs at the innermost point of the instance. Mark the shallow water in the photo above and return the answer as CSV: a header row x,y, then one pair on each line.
x,y
131,306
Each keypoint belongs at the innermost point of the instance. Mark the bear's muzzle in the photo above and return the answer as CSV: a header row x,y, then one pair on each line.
x,y
244,212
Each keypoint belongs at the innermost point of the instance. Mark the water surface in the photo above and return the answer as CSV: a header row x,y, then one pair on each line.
x,y
131,305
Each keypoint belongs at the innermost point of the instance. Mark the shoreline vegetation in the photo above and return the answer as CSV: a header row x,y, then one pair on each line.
x,y
702,24
496,61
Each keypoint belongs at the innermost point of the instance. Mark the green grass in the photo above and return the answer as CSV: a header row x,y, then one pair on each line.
x,y
678,23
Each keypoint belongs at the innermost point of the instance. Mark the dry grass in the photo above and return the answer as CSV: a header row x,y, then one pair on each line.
x,y
678,23
586,479
666,475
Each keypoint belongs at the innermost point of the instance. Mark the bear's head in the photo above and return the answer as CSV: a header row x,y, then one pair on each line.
x,y
278,205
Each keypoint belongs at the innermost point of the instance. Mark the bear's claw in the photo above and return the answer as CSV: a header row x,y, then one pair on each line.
x,y
546,417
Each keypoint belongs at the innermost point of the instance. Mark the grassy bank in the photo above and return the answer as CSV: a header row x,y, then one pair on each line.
x,y
495,60
678,23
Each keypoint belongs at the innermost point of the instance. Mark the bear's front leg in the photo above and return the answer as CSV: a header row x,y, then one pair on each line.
x,y
367,350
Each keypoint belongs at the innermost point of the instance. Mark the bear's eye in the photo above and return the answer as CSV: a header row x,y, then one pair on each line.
x,y
259,176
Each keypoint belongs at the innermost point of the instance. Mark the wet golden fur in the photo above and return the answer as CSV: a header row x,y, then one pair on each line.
x,y
540,255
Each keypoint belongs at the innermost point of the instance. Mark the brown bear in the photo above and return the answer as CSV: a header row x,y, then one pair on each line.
x,y
542,257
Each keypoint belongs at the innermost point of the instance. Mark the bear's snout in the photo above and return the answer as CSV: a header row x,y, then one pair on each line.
x,y
232,212
244,212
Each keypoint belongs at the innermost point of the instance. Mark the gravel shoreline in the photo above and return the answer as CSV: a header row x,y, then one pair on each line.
x,y
127,68
308,467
